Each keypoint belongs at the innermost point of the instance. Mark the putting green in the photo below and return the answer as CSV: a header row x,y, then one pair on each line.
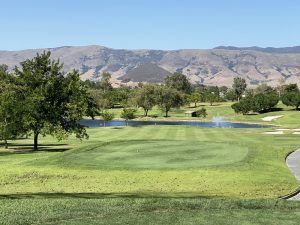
x,y
157,154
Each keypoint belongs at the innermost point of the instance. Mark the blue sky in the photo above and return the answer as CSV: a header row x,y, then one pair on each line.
x,y
149,24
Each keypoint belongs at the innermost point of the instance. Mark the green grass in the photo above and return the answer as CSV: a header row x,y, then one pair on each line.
x,y
147,211
156,154
215,169
240,163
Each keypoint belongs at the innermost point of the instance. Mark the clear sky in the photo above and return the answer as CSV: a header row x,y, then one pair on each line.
x,y
149,24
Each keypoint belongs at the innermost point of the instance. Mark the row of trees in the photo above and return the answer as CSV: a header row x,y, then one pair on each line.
x,y
38,98
174,92
264,99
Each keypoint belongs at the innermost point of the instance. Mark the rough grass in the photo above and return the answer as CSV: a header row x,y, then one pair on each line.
x,y
147,211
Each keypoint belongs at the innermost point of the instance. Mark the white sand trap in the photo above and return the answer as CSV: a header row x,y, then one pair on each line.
x,y
296,129
270,118
282,129
274,132
296,133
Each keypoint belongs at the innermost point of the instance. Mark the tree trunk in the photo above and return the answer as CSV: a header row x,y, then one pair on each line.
x,y
195,104
36,138
167,113
5,144
146,112
238,99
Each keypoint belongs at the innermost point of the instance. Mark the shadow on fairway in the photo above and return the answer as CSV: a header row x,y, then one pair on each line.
x,y
14,148
104,195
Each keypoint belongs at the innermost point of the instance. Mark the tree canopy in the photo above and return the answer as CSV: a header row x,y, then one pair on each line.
x,y
179,82
169,98
54,103
239,86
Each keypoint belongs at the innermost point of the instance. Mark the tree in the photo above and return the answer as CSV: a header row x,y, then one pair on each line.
x,y
145,97
195,97
105,83
230,95
291,98
263,89
244,106
280,87
54,104
264,102
11,105
239,86
128,114
211,98
291,88
261,102
107,116
169,98
179,82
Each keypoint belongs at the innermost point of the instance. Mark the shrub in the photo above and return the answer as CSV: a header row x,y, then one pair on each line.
x,y
107,116
201,113
128,114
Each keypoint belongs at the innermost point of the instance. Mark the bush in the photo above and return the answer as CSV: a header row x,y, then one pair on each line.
x,y
201,113
128,114
244,106
107,116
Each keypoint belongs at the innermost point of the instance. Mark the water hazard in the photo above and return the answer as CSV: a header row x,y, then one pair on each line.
x,y
214,124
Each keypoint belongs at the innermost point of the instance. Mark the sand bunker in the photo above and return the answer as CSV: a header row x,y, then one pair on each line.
x,y
270,118
274,132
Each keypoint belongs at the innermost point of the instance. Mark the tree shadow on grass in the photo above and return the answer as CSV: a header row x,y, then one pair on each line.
x,y
90,195
18,148
117,128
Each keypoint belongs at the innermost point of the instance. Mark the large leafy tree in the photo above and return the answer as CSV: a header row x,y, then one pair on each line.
x,y
169,98
195,97
179,82
10,106
54,104
291,98
145,97
239,86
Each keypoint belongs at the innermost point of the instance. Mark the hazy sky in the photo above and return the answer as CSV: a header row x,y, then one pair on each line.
x,y
149,24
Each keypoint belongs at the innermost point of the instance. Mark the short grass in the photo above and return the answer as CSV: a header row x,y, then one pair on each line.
x,y
156,154
145,161
127,175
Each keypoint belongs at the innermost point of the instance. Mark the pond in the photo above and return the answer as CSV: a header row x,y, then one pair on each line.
x,y
115,123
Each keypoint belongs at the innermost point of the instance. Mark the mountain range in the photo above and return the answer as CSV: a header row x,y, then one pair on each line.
x,y
216,66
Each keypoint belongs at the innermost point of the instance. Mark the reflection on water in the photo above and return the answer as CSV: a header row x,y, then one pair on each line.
x,y
118,123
